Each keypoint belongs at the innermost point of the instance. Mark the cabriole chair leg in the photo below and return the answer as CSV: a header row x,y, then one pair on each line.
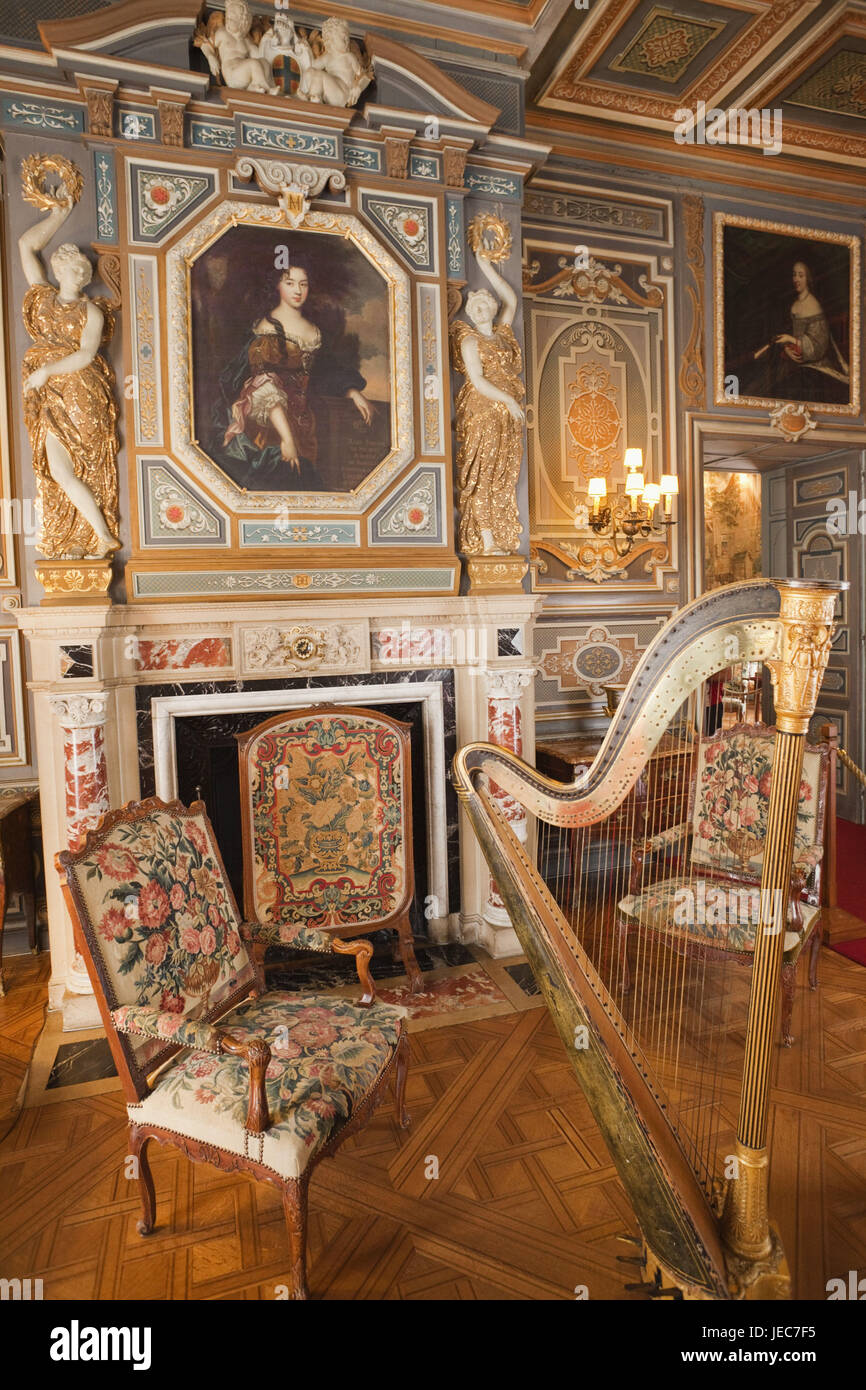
x,y
295,1208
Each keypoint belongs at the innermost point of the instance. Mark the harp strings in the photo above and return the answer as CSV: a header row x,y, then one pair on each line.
x,y
638,906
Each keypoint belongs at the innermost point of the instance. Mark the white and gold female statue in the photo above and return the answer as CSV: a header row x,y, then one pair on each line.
x,y
489,409
69,405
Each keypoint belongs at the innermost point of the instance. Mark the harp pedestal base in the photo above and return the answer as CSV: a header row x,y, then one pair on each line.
x,y
748,1279
766,1278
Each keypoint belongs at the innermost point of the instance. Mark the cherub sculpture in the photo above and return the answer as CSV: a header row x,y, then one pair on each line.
x,y
332,68
240,50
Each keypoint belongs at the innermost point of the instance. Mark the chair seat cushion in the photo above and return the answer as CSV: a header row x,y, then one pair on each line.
x,y
327,1054
708,912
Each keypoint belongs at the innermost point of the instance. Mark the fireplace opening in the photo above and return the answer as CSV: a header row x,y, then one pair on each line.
x,y
207,770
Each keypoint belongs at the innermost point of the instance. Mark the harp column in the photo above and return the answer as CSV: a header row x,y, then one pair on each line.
x,y
806,618
505,729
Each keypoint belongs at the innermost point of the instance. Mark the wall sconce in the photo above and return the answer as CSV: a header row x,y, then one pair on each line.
x,y
638,518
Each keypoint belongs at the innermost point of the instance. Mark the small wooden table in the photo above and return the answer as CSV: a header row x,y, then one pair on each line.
x,y
660,796
16,864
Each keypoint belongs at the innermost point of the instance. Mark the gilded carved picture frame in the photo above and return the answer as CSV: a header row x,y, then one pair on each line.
x,y
785,316
222,393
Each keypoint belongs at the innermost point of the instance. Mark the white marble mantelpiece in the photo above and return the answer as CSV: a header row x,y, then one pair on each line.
x,y
179,643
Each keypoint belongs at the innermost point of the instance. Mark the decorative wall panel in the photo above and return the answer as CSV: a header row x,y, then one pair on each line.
x,y
286,532
209,135
598,211
144,327
55,118
456,238
175,513
135,124
432,370
576,659
183,584
279,138
414,514
164,197
13,743
599,381
360,155
105,182
408,226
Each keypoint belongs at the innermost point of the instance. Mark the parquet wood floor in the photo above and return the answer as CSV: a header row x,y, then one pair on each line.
x,y
22,1014
526,1206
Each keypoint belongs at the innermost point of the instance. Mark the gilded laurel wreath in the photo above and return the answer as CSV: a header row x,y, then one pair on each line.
x,y
35,188
490,237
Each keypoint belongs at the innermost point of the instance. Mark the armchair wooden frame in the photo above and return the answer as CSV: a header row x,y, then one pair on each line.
x,y
137,1082
825,869
398,919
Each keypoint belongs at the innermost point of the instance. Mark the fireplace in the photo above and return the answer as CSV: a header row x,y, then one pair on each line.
x,y
187,749
157,692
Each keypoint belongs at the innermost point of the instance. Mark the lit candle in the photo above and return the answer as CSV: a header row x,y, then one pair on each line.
x,y
669,488
651,495
633,484
597,491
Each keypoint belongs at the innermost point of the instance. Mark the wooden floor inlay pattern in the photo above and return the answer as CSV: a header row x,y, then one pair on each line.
x,y
527,1204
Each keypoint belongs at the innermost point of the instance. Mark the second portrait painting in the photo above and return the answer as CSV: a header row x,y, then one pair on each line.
x,y
785,326
291,359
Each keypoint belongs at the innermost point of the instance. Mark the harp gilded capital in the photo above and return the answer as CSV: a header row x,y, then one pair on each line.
x,y
807,623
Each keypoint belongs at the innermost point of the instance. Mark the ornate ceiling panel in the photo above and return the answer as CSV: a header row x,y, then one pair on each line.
x,y
645,63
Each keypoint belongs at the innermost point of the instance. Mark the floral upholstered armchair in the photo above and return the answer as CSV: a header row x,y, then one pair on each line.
x,y
326,803
269,1083
685,879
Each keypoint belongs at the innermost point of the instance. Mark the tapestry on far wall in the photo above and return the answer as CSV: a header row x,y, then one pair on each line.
x,y
732,527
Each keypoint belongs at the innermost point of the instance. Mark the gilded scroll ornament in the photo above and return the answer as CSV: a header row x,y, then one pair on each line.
x,y
489,412
69,405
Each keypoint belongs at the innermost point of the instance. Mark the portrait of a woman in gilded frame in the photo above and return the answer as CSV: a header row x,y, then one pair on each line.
x,y
785,325
291,353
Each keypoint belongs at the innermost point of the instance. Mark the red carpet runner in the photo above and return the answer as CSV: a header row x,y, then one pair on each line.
x,y
851,881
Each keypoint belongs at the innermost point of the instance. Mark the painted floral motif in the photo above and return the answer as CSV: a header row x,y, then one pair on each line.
x,y
733,797
162,921
327,822
326,1055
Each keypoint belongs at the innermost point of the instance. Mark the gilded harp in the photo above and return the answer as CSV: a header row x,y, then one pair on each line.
x,y
670,1029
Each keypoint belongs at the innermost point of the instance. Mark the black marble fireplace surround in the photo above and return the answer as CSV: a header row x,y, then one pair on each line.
x,y
207,761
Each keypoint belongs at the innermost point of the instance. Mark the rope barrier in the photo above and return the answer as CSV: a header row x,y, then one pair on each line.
x,y
852,766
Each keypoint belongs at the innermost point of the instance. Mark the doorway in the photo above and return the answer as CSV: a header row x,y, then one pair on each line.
x,y
785,509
